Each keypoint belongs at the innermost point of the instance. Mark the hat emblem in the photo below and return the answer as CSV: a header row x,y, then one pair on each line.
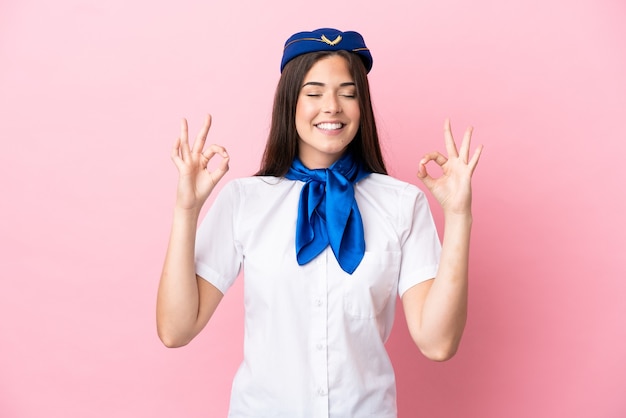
x,y
329,42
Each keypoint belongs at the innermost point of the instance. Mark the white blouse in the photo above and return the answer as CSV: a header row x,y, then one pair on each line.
x,y
314,334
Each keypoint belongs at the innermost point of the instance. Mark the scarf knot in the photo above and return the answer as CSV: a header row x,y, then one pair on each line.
x,y
328,213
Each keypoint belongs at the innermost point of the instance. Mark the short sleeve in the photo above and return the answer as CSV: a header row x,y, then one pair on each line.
x,y
421,247
218,255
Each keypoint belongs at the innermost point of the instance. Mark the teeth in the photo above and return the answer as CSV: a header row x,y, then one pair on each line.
x,y
329,126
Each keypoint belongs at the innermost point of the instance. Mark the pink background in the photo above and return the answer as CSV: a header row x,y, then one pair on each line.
x,y
91,93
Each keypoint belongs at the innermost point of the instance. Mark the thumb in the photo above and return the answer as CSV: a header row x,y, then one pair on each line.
x,y
423,175
221,170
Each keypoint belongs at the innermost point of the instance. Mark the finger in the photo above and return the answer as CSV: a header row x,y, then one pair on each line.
x,y
449,139
222,167
175,155
213,150
422,172
423,175
435,156
474,161
220,171
198,144
184,140
465,145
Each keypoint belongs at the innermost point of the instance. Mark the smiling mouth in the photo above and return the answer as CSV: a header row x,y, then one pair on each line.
x,y
329,126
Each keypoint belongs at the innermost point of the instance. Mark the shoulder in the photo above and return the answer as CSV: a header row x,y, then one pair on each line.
x,y
254,183
385,197
260,188
386,186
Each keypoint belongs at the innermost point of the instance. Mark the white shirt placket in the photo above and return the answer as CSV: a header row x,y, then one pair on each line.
x,y
319,337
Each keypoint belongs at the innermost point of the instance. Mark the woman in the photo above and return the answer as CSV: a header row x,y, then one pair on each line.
x,y
325,239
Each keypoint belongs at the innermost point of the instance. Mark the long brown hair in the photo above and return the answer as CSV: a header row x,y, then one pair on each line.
x,y
282,142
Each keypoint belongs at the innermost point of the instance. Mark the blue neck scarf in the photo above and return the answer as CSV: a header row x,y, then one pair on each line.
x,y
328,213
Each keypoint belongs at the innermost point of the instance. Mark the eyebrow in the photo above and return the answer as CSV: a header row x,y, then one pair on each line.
x,y
317,83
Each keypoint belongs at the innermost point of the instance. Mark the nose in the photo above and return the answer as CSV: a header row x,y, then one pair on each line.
x,y
332,105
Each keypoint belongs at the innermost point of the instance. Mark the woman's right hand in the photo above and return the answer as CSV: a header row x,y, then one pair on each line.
x,y
195,181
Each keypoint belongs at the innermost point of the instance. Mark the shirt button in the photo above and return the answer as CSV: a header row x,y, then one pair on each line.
x,y
318,302
321,392
319,346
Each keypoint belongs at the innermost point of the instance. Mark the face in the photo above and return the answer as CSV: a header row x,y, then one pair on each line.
x,y
327,112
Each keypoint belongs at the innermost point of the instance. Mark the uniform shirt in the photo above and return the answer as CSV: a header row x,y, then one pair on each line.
x,y
314,334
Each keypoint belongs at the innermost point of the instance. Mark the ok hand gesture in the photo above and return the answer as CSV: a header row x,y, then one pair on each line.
x,y
195,181
453,188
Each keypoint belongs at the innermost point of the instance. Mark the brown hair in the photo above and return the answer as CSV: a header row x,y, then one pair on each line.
x,y
282,143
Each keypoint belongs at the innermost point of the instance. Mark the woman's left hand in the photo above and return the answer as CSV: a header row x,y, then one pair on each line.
x,y
453,188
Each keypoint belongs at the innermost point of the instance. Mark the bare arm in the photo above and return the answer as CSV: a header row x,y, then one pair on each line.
x,y
436,310
185,302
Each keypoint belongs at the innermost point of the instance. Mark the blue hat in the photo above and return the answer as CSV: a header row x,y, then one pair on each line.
x,y
326,39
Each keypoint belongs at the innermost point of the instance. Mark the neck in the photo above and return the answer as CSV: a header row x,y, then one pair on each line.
x,y
319,162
